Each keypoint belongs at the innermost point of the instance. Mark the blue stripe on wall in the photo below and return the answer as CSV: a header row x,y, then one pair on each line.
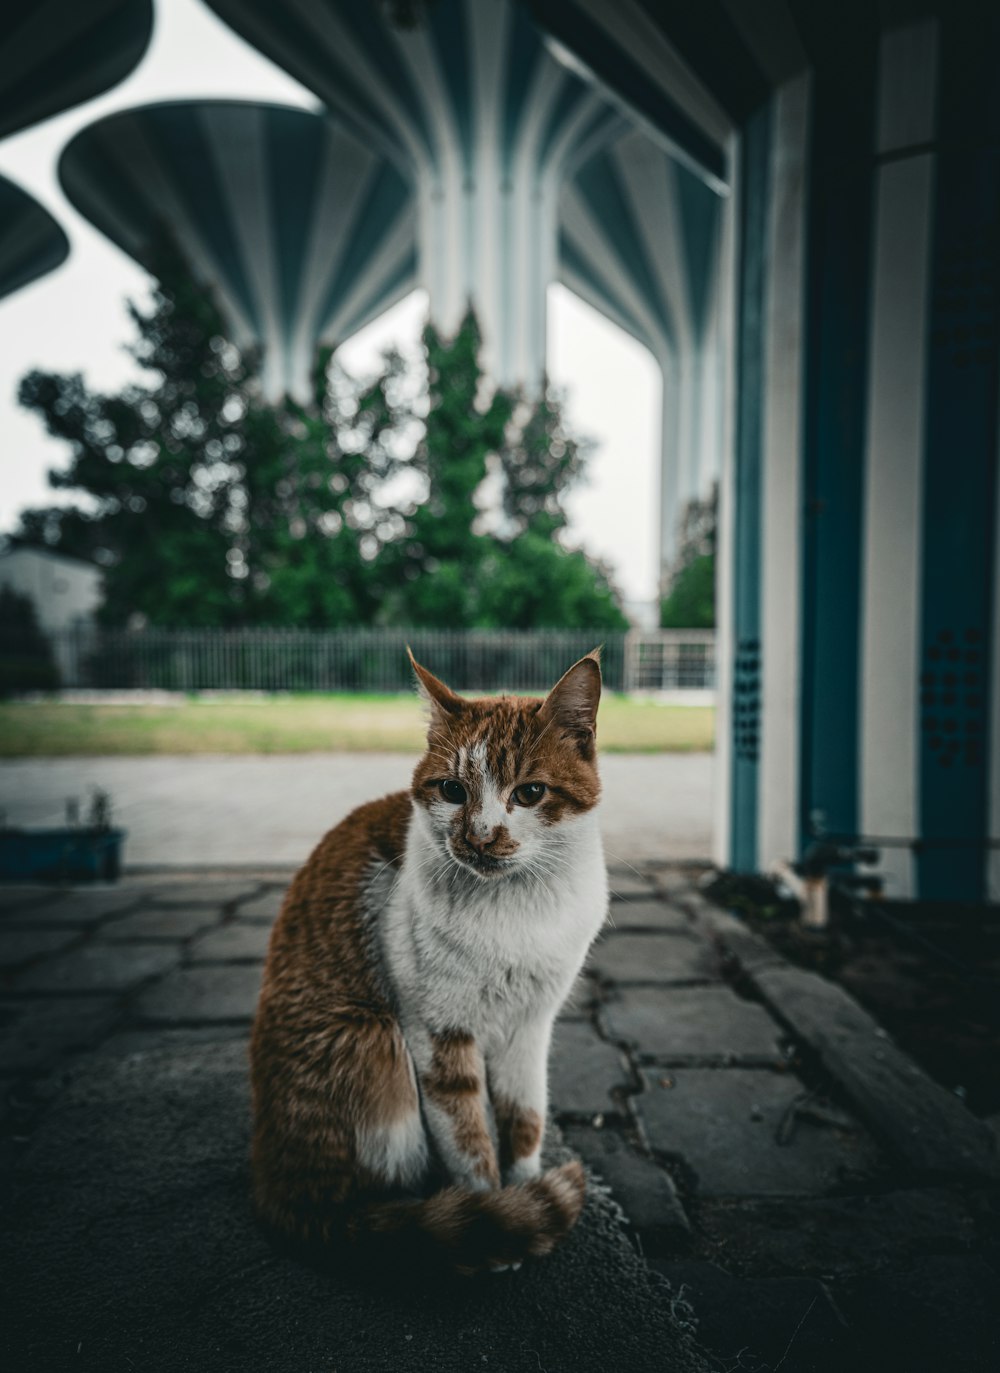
x,y
755,179
960,469
838,311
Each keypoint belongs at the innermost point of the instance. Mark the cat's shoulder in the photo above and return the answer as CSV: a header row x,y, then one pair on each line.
x,y
376,829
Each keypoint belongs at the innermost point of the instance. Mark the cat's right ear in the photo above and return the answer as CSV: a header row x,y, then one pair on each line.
x,y
444,704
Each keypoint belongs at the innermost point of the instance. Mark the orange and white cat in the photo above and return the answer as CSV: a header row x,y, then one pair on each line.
x,y
400,1049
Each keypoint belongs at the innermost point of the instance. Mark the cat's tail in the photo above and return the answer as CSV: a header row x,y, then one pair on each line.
x,y
473,1231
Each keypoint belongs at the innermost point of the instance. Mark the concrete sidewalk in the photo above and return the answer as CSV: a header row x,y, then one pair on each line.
x,y
272,810
799,1196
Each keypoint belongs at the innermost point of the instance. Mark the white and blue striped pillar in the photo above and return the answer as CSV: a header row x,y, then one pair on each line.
x,y
640,240
302,232
485,120
860,571
864,699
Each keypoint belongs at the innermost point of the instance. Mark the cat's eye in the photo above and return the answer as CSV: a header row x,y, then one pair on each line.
x,y
529,793
453,792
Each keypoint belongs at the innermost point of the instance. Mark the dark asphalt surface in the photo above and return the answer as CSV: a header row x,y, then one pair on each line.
x,y
130,1245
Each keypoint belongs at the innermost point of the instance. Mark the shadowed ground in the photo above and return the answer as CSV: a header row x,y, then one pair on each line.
x,y
133,1246
800,1195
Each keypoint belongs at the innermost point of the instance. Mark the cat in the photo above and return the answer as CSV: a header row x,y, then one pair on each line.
x,y
399,1053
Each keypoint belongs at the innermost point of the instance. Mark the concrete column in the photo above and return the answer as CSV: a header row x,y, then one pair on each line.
x,y
894,444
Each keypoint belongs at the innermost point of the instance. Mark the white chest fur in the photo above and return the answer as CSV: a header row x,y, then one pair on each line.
x,y
485,955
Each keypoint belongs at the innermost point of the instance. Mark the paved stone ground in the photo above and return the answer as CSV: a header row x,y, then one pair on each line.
x,y
271,810
768,1219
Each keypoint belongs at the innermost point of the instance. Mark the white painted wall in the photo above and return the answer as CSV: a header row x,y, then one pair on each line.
x,y
65,591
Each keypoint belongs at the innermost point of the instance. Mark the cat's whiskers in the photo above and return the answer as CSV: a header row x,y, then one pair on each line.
x,y
626,901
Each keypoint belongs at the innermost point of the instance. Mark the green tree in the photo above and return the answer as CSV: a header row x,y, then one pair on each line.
x,y
207,506
453,572
440,558
690,600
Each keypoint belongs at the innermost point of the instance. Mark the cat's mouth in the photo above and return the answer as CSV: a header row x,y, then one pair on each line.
x,y
482,864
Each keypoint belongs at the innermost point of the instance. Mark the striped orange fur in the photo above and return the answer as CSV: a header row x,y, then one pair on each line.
x,y
400,1046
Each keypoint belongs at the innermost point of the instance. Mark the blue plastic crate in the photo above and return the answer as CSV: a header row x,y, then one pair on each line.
x,y
67,855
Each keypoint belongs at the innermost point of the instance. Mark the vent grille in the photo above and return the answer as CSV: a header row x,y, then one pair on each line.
x,y
746,700
952,700
965,298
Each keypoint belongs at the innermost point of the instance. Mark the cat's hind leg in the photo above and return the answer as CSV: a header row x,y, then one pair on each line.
x,y
342,1119
389,1133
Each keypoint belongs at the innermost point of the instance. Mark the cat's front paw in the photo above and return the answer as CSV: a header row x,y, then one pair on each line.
x,y
523,1170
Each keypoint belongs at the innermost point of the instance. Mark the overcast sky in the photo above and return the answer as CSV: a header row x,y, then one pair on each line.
x,y
74,319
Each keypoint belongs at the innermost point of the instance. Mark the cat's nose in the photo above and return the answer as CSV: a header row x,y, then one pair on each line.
x,y
481,839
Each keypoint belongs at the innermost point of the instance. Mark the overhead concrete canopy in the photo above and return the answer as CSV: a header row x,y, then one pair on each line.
x,y
31,242
303,231
639,240
57,53
488,123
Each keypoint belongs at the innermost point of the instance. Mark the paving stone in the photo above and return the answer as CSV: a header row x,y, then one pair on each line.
x,y
98,967
582,999
723,1123
33,1034
923,1123
175,924
733,937
81,906
686,1024
652,958
838,1236
648,915
672,881
209,993
645,1192
766,1323
264,907
237,941
208,891
16,897
583,1069
624,884
23,946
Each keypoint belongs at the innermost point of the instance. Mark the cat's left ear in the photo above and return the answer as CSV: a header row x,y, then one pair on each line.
x,y
444,704
572,703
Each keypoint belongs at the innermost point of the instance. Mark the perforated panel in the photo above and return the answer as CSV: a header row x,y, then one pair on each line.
x,y
746,700
965,299
952,699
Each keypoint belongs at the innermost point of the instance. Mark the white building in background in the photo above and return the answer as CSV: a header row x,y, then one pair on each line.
x,y
66,592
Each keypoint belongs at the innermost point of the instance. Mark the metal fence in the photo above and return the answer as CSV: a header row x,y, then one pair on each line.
x,y
372,660
669,660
